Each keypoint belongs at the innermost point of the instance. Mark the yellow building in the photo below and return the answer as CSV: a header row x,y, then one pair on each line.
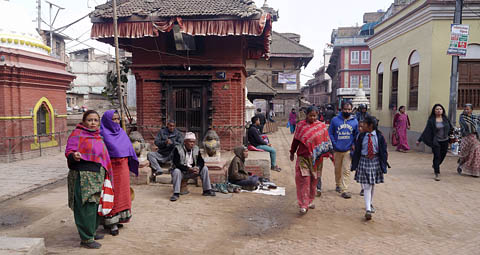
x,y
410,65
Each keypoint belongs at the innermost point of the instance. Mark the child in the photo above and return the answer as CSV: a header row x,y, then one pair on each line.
x,y
360,130
370,161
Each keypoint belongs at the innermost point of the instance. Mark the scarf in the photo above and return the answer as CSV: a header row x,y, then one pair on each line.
x,y
117,141
468,124
315,137
90,144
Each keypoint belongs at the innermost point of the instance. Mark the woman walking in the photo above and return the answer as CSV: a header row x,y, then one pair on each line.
x,y
311,143
436,136
124,160
469,162
292,120
87,159
401,123
370,161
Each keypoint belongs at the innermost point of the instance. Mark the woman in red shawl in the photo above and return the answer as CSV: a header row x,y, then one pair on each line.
x,y
124,160
311,143
88,159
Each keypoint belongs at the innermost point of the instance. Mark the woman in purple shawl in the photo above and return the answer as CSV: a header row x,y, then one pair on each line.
x,y
123,159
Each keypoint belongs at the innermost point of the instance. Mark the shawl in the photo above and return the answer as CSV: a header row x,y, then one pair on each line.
x,y
117,141
315,137
469,124
90,144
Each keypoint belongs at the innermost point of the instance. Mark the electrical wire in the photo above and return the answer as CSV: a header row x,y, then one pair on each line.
x,y
472,11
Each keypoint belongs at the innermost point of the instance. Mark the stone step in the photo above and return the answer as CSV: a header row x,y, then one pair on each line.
x,y
20,245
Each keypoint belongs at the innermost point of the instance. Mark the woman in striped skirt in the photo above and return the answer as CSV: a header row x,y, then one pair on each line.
x,y
370,161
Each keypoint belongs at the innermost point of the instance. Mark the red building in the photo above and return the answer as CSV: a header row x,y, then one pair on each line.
x,y
32,90
189,60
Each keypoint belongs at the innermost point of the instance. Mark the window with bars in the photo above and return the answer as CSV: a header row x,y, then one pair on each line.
x,y
394,91
355,57
380,91
413,89
42,115
468,83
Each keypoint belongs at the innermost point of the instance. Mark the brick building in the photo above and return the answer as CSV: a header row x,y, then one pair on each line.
x,y
319,89
189,60
350,60
32,88
281,72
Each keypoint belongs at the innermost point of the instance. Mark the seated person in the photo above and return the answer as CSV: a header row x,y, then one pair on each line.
x,y
188,164
256,141
166,140
236,171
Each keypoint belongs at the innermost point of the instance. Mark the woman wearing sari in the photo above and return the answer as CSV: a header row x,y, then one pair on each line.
x,y
87,159
124,160
311,143
401,123
469,162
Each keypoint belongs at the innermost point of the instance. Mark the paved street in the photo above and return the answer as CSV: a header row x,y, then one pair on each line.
x,y
23,176
415,215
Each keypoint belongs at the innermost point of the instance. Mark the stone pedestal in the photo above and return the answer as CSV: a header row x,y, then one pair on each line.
x,y
258,163
144,173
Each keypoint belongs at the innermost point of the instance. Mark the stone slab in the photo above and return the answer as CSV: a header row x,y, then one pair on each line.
x,y
258,162
20,245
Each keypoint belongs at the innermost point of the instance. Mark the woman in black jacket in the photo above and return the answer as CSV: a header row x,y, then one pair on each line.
x,y
436,136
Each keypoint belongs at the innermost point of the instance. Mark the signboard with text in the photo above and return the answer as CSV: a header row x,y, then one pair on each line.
x,y
458,40
287,78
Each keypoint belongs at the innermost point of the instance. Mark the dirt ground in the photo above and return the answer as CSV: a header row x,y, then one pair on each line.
x,y
415,215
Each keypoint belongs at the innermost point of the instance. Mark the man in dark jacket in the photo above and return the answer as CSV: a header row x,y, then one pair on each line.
x,y
343,131
166,140
236,171
262,119
256,141
188,164
329,114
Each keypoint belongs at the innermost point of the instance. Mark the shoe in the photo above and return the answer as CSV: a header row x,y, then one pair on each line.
x,y
99,237
303,211
338,189
459,170
311,206
90,245
368,215
209,193
372,209
276,168
119,225
319,192
159,172
346,195
437,177
361,193
174,197
114,232
186,192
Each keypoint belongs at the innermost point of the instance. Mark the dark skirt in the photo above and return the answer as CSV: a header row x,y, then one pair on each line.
x,y
369,171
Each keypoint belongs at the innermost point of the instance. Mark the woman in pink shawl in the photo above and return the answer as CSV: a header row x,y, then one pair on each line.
x,y
401,123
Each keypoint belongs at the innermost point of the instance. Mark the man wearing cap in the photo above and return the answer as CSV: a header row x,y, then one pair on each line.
x,y
188,164
166,140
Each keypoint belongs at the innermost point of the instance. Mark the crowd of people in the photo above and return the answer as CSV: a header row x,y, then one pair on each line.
x,y
100,156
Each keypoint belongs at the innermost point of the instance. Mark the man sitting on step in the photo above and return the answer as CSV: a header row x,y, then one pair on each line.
x,y
166,140
188,164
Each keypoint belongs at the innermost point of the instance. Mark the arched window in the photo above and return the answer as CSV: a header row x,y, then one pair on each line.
x,y
42,117
379,85
414,65
394,84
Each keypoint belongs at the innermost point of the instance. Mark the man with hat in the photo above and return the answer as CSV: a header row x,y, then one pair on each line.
x,y
188,164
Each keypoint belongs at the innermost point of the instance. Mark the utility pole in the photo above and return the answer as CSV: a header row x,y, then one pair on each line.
x,y
51,24
452,107
117,63
39,15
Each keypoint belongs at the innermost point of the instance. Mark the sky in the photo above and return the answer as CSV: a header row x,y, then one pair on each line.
x,y
312,19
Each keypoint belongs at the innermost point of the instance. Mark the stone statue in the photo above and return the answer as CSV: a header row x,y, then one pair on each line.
x,y
139,145
211,143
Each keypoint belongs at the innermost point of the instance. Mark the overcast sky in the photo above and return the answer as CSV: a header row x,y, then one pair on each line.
x,y
312,19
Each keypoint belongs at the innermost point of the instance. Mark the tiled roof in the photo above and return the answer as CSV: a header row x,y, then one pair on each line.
x,y
283,45
178,8
257,86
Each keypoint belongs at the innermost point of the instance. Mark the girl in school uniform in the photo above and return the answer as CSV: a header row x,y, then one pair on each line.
x,y
370,161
